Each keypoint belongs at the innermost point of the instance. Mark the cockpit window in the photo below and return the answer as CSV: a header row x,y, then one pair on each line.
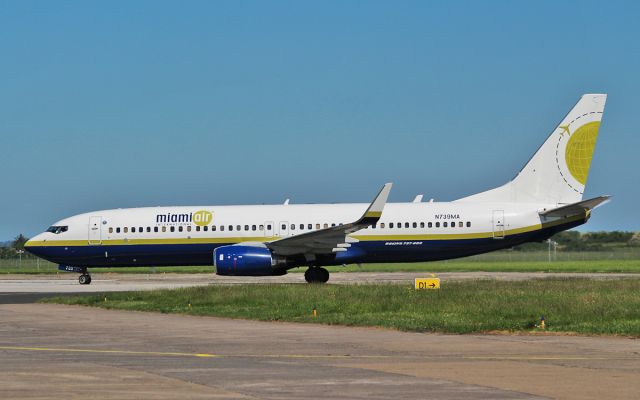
x,y
57,229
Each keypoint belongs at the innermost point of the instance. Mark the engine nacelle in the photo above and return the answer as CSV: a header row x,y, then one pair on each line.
x,y
244,260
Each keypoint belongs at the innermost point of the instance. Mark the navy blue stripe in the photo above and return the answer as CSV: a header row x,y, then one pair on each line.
x,y
361,252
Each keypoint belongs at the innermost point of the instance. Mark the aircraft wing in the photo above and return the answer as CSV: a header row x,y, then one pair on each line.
x,y
576,208
333,239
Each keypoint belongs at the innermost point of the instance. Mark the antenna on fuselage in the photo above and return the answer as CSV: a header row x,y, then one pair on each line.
x,y
286,202
418,198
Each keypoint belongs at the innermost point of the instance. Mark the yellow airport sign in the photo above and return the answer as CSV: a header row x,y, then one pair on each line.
x,y
427,283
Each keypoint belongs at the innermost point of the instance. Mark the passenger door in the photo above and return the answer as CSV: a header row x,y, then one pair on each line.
x,y
95,230
498,224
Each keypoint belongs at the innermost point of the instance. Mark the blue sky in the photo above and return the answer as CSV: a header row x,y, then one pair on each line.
x,y
122,104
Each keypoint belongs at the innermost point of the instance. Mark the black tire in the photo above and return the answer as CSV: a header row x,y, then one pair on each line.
x,y
84,279
324,275
316,275
309,274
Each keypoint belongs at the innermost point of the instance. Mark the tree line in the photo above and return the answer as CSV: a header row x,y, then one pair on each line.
x,y
588,241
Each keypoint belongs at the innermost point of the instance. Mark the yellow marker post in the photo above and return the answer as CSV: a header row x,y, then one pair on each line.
x,y
427,283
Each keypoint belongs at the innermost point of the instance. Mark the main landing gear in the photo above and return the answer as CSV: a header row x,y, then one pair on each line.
x,y
316,275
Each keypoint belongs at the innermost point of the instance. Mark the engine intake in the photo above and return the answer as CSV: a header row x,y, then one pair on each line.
x,y
244,260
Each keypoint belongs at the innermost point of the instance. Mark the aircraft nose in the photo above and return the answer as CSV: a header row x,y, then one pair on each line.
x,y
31,244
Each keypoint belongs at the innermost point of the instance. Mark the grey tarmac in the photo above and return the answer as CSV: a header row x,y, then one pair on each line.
x,y
71,352
114,282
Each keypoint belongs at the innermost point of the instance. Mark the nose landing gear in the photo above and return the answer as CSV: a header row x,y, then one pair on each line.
x,y
84,279
316,275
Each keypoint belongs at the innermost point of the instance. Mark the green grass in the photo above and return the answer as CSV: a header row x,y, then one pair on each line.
x,y
610,307
500,261
466,265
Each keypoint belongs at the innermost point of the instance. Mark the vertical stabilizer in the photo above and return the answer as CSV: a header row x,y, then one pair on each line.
x,y
557,173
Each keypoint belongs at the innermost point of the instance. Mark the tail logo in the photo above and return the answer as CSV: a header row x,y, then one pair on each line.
x,y
576,149
579,150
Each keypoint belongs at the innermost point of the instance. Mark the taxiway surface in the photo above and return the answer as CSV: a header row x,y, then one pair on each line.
x,y
69,352
114,282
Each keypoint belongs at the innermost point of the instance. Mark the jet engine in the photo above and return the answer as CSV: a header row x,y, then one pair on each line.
x,y
245,260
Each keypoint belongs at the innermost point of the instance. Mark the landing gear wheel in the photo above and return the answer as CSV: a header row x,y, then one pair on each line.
x,y
84,279
316,275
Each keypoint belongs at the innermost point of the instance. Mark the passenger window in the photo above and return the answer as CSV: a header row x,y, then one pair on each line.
x,y
141,229
444,224
230,227
238,228
221,228
164,229
284,227
429,225
415,224
317,226
399,224
468,224
110,230
301,226
261,227
293,227
246,227
453,224
180,229
197,228
148,229
117,230
460,224
155,229
206,228
253,227
326,225
390,224
381,225
406,225
172,229
310,226
437,224
333,224
421,224
189,228
133,229
126,229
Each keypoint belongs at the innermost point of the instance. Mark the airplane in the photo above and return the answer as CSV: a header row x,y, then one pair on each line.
x,y
544,198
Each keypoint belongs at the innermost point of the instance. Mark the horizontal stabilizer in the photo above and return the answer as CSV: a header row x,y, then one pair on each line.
x,y
576,208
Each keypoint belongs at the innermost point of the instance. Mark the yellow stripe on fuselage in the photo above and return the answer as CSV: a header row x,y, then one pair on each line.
x,y
367,238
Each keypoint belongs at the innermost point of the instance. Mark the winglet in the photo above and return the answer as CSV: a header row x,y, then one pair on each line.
x,y
373,213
